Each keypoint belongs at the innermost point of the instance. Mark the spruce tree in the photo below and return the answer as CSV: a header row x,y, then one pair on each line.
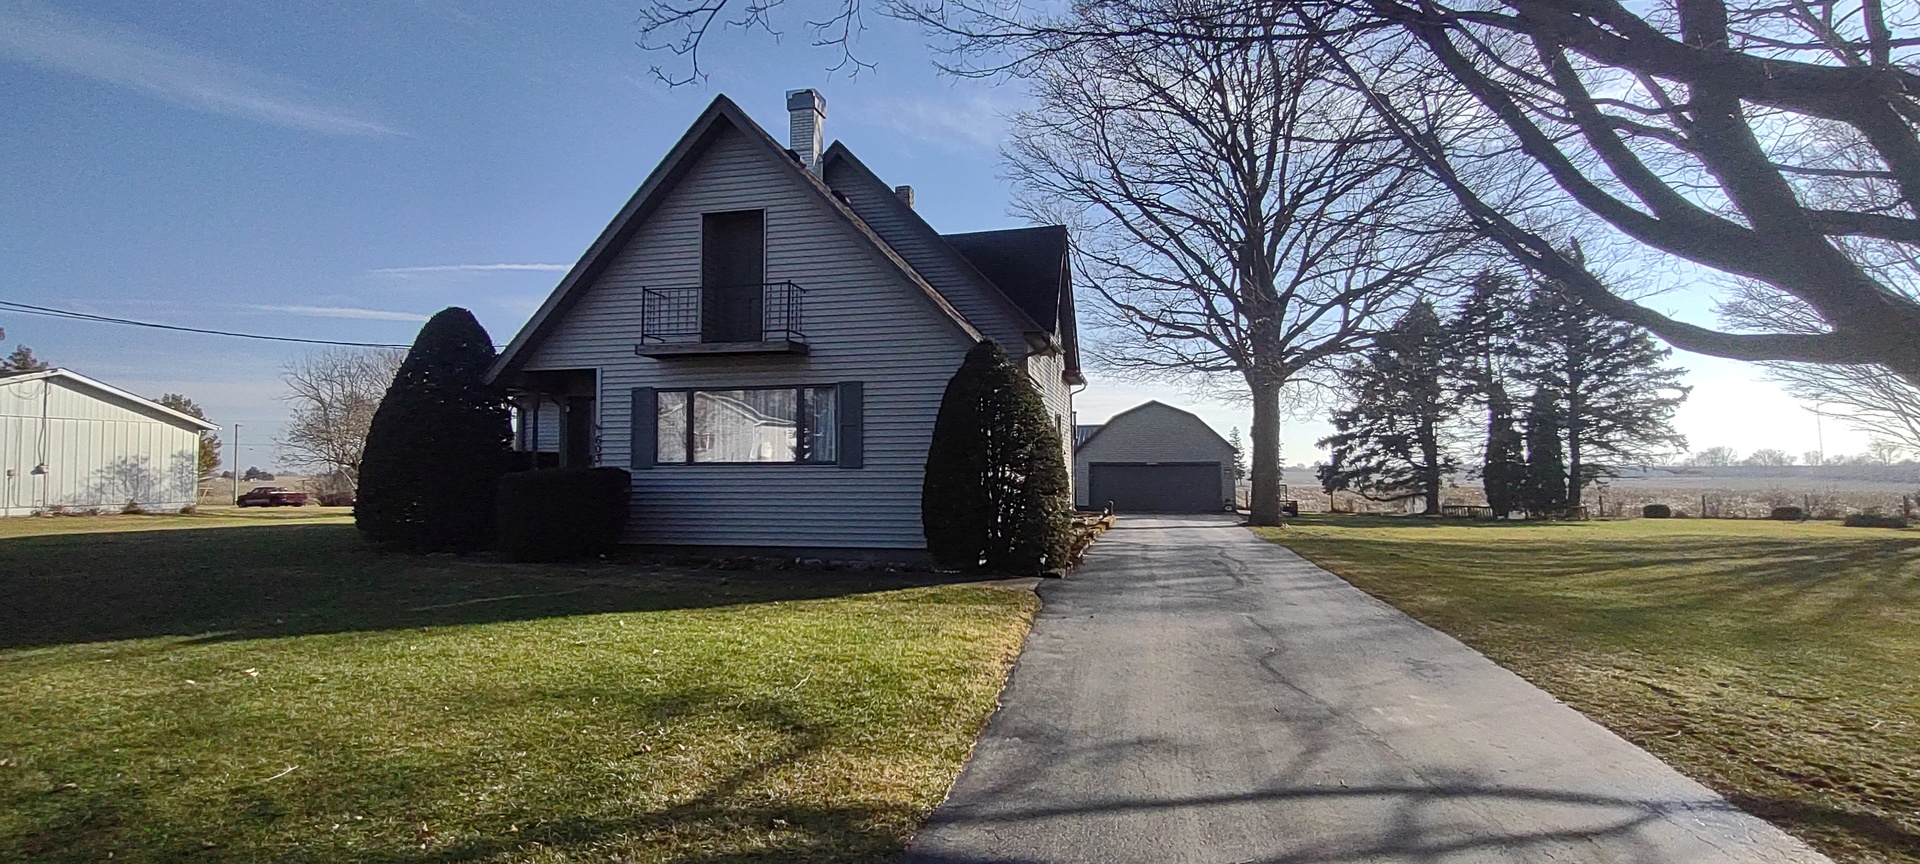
x,y
1390,443
1545,489
955,510
437,444
1617,396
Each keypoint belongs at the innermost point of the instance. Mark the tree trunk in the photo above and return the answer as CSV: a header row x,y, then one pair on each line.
x,y
1575,474
1266,455
1430,476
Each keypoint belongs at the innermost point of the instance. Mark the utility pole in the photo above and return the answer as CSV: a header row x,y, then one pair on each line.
x,y
236,465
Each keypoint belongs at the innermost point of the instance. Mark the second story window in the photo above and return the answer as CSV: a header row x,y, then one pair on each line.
x,y
733,271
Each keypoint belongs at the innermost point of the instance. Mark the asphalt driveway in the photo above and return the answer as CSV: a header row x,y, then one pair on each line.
x,y
1194,693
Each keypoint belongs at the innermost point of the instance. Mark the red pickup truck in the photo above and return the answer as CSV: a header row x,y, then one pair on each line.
x,y
272,496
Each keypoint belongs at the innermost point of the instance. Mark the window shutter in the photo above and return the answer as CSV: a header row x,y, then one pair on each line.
x,y
645,415
852,425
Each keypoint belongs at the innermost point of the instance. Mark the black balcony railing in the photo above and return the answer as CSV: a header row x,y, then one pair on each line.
x,y
768,312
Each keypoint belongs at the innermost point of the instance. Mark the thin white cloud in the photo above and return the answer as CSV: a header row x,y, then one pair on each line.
x,y
119,55
472,268
342,312
953,120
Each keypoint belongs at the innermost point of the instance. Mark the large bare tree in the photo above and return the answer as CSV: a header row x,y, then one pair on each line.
x,y
1772,141
333,394
1870,397
1239,210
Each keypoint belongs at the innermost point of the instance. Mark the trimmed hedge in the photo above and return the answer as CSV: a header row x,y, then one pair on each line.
x,y
1656,511
560,514
1788,514
1867,520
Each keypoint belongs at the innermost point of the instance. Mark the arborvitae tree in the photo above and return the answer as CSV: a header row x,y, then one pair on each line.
x,y
437,445
955,510
1389,444
1503,467
996,492
1032,498
1545,489
1616,397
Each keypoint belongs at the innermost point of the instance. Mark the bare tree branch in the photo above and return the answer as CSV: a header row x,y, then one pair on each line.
x,y
333,395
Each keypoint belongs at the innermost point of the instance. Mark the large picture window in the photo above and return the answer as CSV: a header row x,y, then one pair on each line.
x,y
769,424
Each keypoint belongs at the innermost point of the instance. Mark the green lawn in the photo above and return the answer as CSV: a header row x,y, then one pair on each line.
x,y
260,687
1775,662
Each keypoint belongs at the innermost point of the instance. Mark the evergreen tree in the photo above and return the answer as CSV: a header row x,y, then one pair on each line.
x,y
22,359
1503,466
1032,500
1617,397
1389,444
995,493
1545,489
955,511
437,444
1239,455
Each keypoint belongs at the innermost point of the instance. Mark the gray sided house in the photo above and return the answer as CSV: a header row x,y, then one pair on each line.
x,y
763,334
1153,458
68,442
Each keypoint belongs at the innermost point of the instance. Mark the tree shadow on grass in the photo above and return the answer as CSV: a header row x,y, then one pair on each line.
x,y
1868,830
286,822
283,580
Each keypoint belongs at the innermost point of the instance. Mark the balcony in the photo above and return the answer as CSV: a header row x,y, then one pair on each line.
x,y
709,320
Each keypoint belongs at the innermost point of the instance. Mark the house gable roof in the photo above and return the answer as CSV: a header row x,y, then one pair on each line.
x,y
839,154
1025,269
1031,266
1151,404
111,391
719,115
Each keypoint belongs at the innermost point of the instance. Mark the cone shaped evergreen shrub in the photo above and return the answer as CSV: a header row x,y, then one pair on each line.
x,y
996,492
437,444
1503,471
1034,504
955,511
1546,480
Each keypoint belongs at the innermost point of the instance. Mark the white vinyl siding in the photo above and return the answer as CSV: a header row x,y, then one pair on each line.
x,y
863,321
98,449
1046,371
1153,433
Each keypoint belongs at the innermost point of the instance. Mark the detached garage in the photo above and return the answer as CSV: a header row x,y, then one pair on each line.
x,y
1154,458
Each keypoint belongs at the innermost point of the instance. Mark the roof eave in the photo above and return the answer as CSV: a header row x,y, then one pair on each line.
x,y
136,398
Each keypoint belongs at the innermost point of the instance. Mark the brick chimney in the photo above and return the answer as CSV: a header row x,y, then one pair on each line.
x,y
807,110
906,195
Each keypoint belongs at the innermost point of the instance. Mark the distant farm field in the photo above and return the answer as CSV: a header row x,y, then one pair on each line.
x,y
1775,662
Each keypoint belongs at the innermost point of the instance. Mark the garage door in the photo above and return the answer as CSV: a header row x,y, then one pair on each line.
x,y
1163,487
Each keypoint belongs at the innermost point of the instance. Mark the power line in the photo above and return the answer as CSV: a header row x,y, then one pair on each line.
x,y
103,319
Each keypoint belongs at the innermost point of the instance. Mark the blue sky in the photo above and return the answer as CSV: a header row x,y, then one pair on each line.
x,y
339,173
